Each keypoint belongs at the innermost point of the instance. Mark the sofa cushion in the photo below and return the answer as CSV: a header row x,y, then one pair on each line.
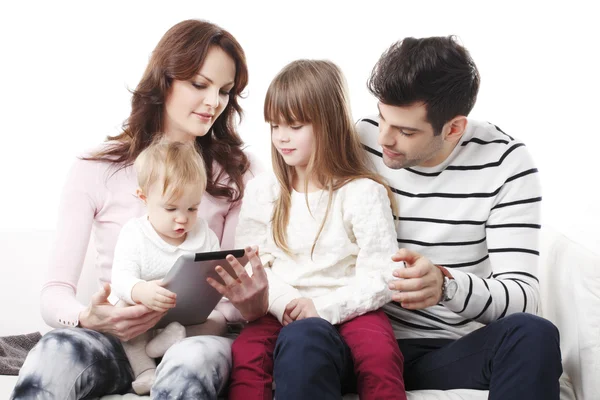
x,y
570,297
570,293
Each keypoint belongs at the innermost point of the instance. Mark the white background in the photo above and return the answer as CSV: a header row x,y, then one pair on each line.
x,y
66,67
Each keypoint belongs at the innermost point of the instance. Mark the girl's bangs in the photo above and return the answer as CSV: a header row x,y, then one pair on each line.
x,y
286,103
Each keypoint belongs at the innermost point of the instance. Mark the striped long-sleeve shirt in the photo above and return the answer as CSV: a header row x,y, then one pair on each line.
x,y
478,214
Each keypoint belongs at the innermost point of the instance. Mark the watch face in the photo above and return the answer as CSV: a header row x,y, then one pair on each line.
x,y
451,289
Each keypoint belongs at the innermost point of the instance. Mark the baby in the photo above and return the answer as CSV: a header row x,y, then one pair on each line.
x,y
172,179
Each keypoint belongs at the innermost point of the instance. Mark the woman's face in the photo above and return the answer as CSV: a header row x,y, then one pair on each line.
x,y
193,106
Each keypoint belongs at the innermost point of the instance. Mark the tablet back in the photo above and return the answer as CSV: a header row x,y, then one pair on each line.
x,y
196,299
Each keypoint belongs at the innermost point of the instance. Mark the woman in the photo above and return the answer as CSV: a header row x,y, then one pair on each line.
x,y
189,92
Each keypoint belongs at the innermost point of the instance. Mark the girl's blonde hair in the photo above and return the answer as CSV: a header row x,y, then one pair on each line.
x,y
314,92
174,165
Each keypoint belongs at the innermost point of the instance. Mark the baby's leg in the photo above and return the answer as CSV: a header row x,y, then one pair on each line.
x,y
173,333
229,311
215,325
143,366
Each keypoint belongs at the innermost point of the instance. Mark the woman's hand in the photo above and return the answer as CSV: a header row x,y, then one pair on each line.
x,y
249,294
123,322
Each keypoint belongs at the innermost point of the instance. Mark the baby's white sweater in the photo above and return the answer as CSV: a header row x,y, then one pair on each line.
x,y
351,266
142,255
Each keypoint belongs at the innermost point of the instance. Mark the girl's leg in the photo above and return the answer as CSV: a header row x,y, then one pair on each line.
x,y
378,362
72,364
252,352
194,368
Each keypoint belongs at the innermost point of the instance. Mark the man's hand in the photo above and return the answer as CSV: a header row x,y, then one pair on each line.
x,y
123,322
420,283
153,295
249,294
298,309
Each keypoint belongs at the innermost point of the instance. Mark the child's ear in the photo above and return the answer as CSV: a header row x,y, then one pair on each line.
x,y
140,195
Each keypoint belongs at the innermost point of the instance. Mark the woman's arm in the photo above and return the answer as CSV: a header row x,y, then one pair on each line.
x,y
81,200
76,213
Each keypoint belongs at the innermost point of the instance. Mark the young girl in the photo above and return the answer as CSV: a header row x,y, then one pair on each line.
x,y
172,180
324,224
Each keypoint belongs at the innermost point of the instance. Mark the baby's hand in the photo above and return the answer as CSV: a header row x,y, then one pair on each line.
x,y
153,295
300,308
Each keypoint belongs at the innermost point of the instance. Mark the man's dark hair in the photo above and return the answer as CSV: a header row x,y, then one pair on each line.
x,y
436,71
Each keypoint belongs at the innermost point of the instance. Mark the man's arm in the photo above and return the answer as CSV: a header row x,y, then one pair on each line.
x,y
512,237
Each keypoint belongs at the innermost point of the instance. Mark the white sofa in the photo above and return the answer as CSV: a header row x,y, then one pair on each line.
x,y
570,291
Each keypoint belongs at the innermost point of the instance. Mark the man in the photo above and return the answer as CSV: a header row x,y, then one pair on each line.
x,y
469,199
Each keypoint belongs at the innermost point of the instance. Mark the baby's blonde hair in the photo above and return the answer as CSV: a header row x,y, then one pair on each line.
x,y
174,165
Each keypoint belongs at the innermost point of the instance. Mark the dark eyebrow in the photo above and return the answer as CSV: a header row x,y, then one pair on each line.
x,y
399,127
211,81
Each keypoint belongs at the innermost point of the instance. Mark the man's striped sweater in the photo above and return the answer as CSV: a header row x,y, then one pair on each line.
x,y
478,214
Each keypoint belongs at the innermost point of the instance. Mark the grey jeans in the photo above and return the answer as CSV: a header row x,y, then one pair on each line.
x,y
76,363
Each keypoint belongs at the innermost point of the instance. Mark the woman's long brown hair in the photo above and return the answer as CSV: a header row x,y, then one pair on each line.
x,y
314,92
178,56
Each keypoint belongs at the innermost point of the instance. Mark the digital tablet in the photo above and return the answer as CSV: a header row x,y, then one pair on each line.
x,y
196,299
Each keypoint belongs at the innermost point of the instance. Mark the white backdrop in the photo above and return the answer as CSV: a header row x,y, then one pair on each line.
x,y
66,68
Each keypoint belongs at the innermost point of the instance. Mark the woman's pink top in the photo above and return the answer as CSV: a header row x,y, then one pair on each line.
x,y
101,198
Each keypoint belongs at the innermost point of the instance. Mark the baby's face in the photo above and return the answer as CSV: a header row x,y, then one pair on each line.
x,y
173,218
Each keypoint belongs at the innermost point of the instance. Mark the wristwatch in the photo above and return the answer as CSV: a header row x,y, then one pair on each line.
x,y
449,286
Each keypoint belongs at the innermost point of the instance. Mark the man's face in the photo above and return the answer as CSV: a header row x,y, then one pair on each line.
x,y
407,138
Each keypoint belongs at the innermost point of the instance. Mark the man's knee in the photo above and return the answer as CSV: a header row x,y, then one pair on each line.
x,y
310,357
308,334
299,331
533,327
537,338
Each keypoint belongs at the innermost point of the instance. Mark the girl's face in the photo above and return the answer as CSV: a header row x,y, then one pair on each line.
x,y
172,219
191,107
294,142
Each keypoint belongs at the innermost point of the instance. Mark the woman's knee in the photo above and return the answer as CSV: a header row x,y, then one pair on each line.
x,y
199,349
196,367
73,362
77,347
